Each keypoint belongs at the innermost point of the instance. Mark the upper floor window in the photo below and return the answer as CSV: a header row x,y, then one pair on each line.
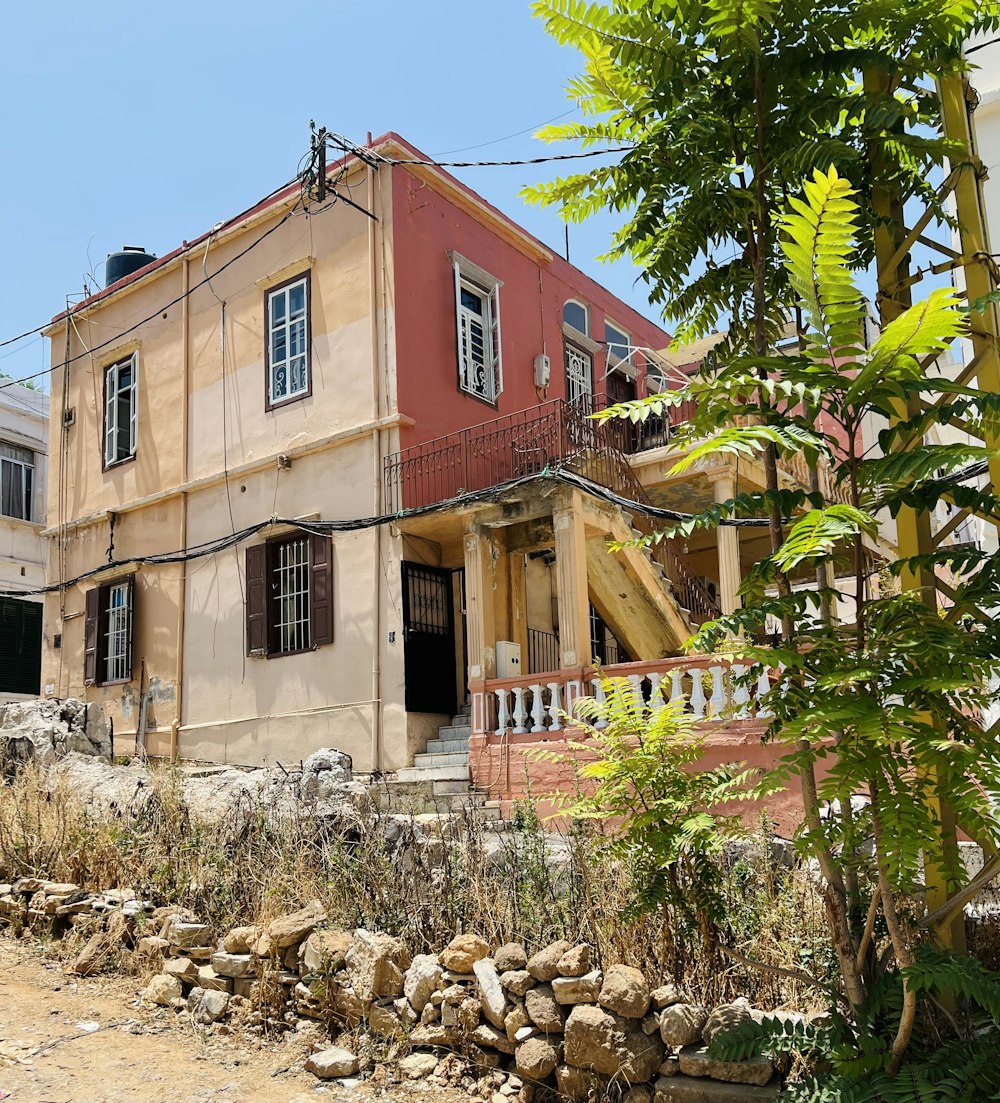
x,y
579,373
477,310
617,343
577,315
17,481
287,337
121,410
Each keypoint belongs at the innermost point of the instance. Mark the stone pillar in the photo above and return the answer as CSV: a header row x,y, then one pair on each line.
x,y
519,605
571,581
728,539
480,619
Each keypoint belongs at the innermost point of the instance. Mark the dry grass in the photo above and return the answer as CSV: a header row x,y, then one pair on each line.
x,y
397,875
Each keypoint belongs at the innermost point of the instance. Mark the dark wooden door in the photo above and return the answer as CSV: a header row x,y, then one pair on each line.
x,y
428,639
622,389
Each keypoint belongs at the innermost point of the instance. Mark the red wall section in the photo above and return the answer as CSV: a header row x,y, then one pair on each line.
x,y
426,225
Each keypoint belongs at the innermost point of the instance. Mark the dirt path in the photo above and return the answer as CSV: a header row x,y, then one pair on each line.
x,y
90,1040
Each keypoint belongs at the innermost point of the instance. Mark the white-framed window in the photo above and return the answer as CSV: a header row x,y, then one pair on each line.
x,y
577,315
121,410
108,632
118,633
477,312
617,343
17,481
579,374
287,338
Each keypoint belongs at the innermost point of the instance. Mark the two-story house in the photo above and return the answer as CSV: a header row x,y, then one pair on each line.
x,y
231,413
24,415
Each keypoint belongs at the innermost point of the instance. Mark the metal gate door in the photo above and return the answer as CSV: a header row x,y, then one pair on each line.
x,y
428,639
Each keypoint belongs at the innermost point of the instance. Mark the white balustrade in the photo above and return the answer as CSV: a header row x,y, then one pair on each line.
x,y
706,689
537,709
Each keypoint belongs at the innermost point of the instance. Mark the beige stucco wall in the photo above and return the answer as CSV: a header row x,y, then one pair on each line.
x,y
229,707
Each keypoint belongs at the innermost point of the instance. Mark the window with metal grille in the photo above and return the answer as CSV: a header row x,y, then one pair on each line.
x,y
579,374
17,481
289,604
109,632
477,309
287,314
121,410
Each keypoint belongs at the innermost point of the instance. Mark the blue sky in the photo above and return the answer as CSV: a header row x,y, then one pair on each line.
x,y
146,122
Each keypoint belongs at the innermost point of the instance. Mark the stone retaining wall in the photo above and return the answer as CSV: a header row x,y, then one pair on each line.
x,y
497,1020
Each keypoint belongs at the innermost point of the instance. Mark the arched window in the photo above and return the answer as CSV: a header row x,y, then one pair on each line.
x,y
576,315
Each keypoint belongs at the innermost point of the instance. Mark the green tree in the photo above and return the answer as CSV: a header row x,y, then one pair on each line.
x,y
896,698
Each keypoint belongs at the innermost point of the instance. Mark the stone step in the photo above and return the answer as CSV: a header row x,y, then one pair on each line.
x,y
454,731
458,758
433,773
452,788
447,746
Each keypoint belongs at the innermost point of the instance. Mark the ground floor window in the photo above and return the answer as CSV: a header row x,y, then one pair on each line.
x,y
108,632
289,595
20,645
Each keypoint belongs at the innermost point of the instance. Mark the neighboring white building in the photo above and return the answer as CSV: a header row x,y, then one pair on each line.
x,y
24,446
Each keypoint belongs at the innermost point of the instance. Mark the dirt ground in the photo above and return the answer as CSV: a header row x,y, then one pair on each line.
x,y
67,1039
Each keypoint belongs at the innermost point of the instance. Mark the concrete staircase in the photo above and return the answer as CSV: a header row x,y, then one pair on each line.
x,y
439,778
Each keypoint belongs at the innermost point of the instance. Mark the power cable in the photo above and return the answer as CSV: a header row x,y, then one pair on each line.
x,y
516,134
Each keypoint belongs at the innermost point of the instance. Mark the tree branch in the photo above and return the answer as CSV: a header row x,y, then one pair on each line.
x,y
779,971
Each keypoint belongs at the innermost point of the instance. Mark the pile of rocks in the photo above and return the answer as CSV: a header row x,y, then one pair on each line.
x,y
552,1019
44,731
510,1023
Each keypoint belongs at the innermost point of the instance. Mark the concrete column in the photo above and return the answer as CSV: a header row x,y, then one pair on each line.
x,y
519,604
480,619
571,581
728,540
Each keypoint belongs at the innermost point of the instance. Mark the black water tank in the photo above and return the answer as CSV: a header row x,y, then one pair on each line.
x,y
129,260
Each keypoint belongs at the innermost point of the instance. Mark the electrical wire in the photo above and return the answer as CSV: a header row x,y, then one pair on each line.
x,y
373,158
516,134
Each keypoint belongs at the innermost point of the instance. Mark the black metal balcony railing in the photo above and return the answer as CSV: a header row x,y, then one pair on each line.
x,y
543,651
525,443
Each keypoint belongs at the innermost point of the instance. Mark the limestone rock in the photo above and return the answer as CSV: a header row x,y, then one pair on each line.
x,y
491,993
422,980
385,1021
536,1058
435,1034
94,955
323,952
641,1053
463,952
417,1066
688,1089
665,996
212,982
590,1040
515,1021
162,989
375,963
332,1062
625,992
152,945
545,964
510,956
489,1037
681,1024
575,962
237,941
637,1093
517,981
185,935
573,990
324,772
207,1006
542,1009
183,968
670,1067
287,930
695,1061
574,1083
727,1016
232,965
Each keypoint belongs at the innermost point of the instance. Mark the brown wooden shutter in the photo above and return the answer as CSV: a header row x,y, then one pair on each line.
x,y
130,638
90,636
321,589
256,608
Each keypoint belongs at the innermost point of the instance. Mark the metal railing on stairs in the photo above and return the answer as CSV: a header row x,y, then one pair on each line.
x,y
554,433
